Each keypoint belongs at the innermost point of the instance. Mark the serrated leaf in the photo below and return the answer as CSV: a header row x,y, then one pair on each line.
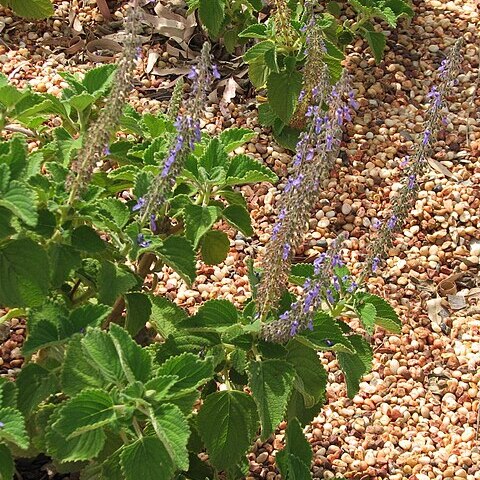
x,y
165,315
213,314
21,201
266,116
238,217
299,272
136,460
228,438
212,13
355,365
327,335
386,14
244,169
258,51
215,247
178,253
6,464
81,447
283,91
311,378
139,309
63,259
81,101
99,78
271,382
113,281
232,138
172,429
191,371
31,8
377,43
89,410
334,66
295,459
257,30
13,427
232,196
24,274
213,156
114,210
85,238
258,72
386,317
35,384
198,221
367,313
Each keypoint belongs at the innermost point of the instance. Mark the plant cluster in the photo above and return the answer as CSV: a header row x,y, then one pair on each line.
x,y
111,197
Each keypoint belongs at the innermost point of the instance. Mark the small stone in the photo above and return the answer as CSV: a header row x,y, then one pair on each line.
x,y
262,457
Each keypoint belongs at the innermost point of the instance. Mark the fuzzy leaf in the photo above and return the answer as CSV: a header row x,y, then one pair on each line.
x,y
386,317
228,438
24,274
31,8
235,137
271,382
257,52
165,315
63,259
113,281
198,221
215,246
377,43
238,217
21,201
139,309
147,459
283,90
244,169
6,464
212,13
355,365
86,238
178,253
213,314
13,427
367,313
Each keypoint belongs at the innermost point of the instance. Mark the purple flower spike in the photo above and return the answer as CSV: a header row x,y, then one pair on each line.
x,y
215,72
139,205
286,251
351,100
436,96
141,242
375,263
193,74
411,181
330,297
337,261
329,143
294,328
405,161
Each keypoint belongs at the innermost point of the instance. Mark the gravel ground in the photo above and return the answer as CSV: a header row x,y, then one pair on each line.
x,y
416,416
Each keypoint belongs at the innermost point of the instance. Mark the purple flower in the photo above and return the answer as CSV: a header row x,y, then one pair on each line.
x,y
426,136
337,261
329,142
141,242
294,328
215,72
301,95
276,229
286,251
375,263
282,213
405,161
339,114
153,223
336,284
317,263
352,287
329,342
443,68
346,114
351,100
193,74
445,120
330,297
293,182
411,181
106,150
138,53
436,96
139,205
392,221
376,223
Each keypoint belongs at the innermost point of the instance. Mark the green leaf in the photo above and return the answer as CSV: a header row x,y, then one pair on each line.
x,y
228,438
21,201
244,169
99,78
89,410
81,101
114,210
257,30
299,272
212,314
212,13
113,281
215,247
271,382
232,196
295,459
327,335
335,68
35,384
266,116
233,138
400,7
24,274
13,427
257,52
367,313
165,315
6,464
63,259
5,223
386,317
31,8
148,459
377,43
386,14
310,375
173,430
139,309
85,238
238,217
191,371
198,221
283,91
334,8
178,253
81,447
258,71
214,155
355,365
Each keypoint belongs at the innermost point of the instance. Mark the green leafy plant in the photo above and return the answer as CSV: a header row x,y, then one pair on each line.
x,y
277,61
226,18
